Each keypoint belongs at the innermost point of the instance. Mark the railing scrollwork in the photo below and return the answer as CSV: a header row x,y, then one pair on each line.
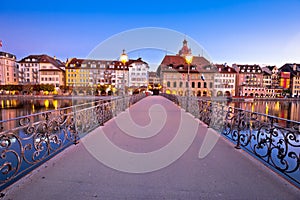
x,y
275,141
26,142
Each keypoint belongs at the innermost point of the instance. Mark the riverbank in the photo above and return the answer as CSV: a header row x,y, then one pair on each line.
x,y
55,97
247,99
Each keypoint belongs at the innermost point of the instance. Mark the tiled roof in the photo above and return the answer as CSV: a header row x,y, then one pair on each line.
x,y
77,62
271,67
225,68
7,55
266,71
178,63
248,68
288,67
43,59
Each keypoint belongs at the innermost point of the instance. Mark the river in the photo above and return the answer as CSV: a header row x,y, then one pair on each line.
x,y
12,108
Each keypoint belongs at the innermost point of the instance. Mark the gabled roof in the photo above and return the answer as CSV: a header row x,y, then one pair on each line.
x,y
288,67
178,63
222,68
7,55
266,71
43,59
139,60
77,62
248,68
271,67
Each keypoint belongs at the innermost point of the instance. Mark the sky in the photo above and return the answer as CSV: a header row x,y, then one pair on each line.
x,y
265,32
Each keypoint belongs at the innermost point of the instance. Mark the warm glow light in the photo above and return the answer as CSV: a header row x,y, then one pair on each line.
x,y
46,102
189,59
55,104
124,57
267,109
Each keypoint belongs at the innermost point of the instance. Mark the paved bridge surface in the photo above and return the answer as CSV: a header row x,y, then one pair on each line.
x,y
151,151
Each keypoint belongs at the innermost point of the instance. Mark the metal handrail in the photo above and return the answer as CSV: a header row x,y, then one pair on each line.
x,y
33,139
273,140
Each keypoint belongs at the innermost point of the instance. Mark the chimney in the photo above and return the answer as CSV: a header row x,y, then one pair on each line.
x,y
294,67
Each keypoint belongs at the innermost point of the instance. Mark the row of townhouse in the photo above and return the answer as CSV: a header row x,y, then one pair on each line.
x,y
208,79
110,73
44,69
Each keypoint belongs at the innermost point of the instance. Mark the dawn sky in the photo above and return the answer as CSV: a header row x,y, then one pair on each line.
x,y
246,32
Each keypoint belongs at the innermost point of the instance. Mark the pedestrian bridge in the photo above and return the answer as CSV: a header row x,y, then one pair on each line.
x,y
154,150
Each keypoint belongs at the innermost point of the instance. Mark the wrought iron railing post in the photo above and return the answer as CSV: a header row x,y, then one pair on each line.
x,y
239,120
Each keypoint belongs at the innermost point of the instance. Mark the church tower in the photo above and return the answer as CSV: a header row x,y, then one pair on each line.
x,y
185,49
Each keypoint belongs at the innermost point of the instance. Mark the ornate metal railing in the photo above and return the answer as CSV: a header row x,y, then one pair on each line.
x,y
28,141
275,141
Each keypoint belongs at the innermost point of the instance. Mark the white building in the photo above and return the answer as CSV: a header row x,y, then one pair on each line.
x,y
41,69
138,73
225,81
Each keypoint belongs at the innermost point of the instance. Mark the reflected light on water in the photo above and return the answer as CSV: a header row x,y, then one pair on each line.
x,y
283,109
33,108
46,103
55,104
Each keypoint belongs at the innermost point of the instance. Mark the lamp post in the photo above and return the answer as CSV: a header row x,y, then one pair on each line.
x,y
188,60
124,59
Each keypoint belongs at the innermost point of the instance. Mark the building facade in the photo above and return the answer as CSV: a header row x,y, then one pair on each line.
x,y
112,75
271,82
41,69
8,69
138,73
249,81
292,82
173,72
225,81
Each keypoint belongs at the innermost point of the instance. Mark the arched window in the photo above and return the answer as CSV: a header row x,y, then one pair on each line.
x,y
168,84
180,84
174,84
193,84
199,84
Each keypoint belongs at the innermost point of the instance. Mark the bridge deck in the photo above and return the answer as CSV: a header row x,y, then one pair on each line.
x,y
224,173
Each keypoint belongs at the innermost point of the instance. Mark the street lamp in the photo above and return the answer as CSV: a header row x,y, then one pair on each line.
x,y
124,59
188,60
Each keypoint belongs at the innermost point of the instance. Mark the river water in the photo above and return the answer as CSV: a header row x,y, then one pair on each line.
x,y
283,109
12,108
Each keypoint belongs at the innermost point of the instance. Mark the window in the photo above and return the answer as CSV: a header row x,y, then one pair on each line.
x,y
193,84
168,84
174,84
205,86
199,84
180,84
210,85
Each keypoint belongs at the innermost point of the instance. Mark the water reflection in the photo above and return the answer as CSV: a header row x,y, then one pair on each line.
x,y
283,109
12,108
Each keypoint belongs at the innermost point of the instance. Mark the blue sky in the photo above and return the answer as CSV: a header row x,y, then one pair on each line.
x,y
250,31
